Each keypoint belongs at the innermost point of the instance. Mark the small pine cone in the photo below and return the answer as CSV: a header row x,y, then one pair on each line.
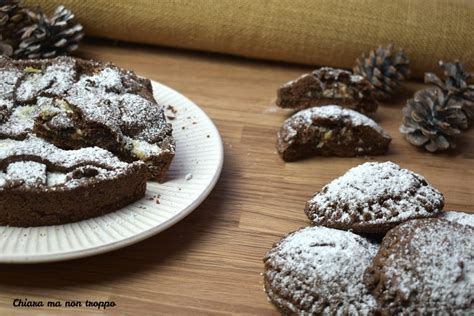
x,y
48,37
385,68
5,49
13,16
430,120
455,85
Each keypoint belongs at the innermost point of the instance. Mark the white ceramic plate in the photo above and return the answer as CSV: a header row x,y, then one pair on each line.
x,y
192,175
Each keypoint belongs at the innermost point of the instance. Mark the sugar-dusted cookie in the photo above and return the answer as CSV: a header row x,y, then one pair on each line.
x,y
425,267
330,131
319,270
458,217
373,198
328,86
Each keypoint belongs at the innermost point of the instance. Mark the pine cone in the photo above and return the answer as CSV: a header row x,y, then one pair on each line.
x,y
48,37
455,85
384,68
431,120
13,16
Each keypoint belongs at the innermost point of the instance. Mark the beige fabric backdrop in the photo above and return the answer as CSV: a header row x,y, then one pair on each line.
x,y
318,32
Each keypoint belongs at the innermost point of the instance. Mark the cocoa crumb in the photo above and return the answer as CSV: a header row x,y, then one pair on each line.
x,y
157,198
170,112
172,109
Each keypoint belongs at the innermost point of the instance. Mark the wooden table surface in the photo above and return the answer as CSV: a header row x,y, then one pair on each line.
x,y
210,262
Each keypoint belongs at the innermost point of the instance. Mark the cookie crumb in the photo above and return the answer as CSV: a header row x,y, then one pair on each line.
x,y
170,112
172,109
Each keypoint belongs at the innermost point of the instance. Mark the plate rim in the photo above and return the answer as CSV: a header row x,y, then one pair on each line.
x,y
115,245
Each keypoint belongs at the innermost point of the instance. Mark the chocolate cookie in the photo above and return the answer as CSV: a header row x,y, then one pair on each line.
x,y
425,267
374,197
41,184
319,270
75,103
328,86
458,217
330,131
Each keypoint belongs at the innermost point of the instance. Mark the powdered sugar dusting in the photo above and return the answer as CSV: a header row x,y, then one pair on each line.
x,y
374,193
336,73
319,270
10,77
56,178
459,217
53,166
20,122
431,267
30,173
34,146
56,79
335,112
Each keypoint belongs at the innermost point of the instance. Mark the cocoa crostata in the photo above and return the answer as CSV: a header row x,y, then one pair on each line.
x,y
328,86
330,131
41,184
77,139
74,103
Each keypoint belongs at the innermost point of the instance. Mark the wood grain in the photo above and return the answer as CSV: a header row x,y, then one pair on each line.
x,y
210,263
